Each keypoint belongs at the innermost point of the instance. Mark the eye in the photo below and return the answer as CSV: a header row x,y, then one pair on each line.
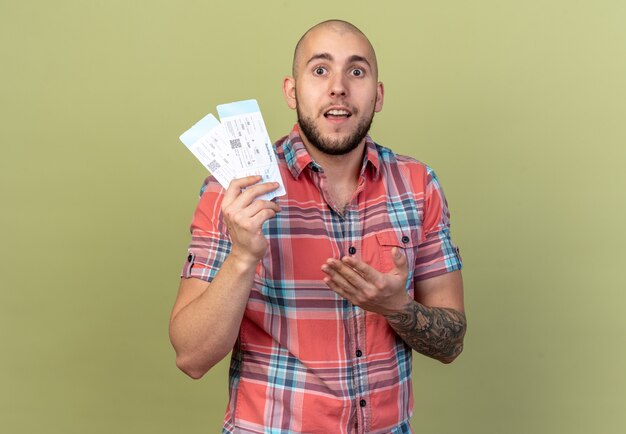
x,y
319,70
357,72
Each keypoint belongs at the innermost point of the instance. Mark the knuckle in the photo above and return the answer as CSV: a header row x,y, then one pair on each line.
x,y
246,225
254,207
361,298
379,284
238,220
235,184
368,293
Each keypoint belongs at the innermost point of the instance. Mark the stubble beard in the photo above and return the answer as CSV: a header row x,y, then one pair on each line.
x,y
338,146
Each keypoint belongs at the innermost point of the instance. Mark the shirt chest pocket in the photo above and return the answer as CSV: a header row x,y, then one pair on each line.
x,y
388,239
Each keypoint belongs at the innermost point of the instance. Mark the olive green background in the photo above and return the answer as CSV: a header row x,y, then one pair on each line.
x,y
519,106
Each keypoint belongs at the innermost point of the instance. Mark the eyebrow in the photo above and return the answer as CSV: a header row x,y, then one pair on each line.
x,y
329,57
318,56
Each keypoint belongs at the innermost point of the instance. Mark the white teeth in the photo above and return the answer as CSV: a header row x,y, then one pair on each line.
x,y
337,113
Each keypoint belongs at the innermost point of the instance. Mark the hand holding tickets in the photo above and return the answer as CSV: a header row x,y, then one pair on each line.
x,y
238,146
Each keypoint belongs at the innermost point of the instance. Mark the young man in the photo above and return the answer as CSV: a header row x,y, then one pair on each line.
x,y
322,293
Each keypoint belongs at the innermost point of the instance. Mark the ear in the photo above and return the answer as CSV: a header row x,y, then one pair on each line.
x,y
289,91
380,96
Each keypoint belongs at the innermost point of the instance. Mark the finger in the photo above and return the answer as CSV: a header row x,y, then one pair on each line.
x,y
235,186
234,202
351,275
257,206
335,278
333,286
259,218
339,289
368,273
248,195
252,217
400,262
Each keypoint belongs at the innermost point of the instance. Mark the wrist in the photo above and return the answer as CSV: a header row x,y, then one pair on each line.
x,y
242,260
405,302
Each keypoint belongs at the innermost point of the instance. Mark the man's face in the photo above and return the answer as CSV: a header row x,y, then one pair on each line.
x,y
335,91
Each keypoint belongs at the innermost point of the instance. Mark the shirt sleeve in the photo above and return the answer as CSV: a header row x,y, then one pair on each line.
x,y
436,253
210,244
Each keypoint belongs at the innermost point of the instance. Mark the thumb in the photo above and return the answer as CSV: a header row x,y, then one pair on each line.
x,y
400,262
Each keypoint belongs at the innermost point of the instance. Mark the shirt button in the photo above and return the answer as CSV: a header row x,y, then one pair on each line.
x,y
359,353
189,258
363,403
314,168
405,239
352,250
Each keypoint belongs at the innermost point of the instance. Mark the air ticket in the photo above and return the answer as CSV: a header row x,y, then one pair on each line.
x,y
251,149
206,140
238,146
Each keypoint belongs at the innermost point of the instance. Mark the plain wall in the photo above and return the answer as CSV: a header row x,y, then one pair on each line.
x,y
519,106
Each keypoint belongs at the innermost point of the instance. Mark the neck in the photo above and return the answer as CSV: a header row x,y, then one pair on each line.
x,y
344,169
341,172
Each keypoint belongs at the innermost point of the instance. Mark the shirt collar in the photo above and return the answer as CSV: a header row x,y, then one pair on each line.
x,y
298,158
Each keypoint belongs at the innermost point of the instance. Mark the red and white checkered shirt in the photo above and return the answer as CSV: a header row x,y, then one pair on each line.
x,y
306,360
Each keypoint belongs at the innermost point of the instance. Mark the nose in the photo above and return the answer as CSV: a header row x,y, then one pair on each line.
x,y
338,86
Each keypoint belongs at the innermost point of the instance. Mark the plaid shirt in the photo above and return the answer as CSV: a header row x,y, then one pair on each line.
x,y
306,360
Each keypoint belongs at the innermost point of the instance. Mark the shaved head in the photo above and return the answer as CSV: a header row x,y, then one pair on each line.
x,y
337,26
334,88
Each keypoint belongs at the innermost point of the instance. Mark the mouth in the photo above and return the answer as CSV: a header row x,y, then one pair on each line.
x,y
337,113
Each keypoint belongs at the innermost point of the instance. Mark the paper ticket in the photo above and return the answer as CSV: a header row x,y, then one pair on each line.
x,y
250,147
207,142
238,146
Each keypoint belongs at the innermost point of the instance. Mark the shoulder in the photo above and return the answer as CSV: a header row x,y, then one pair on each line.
x,y
210,200
211,186
389,157
409,168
